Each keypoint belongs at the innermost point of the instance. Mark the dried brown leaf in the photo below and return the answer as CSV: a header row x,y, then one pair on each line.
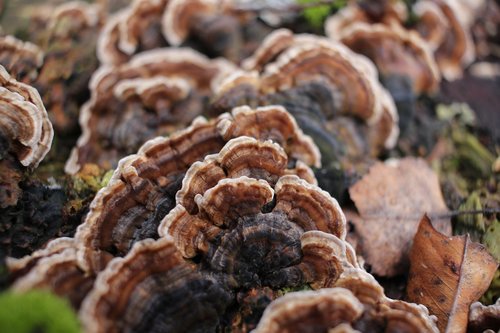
x,y
390,200
447,274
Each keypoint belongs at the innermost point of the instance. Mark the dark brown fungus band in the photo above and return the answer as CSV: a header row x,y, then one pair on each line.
x,y
251,233
356,304
324,85
142,189
21,59
153,94
153,289
54,268
25,134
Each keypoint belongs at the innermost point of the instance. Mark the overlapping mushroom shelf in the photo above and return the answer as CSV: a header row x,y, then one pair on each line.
x,y
200,231
213,27
153,94
60,64
25,134
438,43
333,93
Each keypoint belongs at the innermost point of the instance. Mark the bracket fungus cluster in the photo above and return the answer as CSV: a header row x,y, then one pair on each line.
x,y
441,32
356,304
228,136
330,90
213,27
60,64
25,134
143,188
21,59
153,94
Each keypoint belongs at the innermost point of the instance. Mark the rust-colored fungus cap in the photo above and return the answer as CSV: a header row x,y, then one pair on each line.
x,y
251,233
25,134
445,27
21,59
143,187
153,94
356,304
54,268
153,289
396,52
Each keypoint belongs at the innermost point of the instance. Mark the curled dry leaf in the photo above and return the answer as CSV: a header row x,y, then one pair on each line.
x,y
448,274
390,200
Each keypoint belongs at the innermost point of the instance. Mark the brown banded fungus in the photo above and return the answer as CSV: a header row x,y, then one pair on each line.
x,y
67,34
324,85
209,26
21,59
257,236
443,24
356,304
54,268
396,52
153,289
25,134
153,94
243,156
143,187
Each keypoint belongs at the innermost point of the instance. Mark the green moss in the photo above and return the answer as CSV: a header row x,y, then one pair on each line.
x,y
473,224
287,290
317,14
493,292
491,239
36,311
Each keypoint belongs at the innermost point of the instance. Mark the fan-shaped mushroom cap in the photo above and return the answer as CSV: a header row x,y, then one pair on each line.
x,y
24,121
270,123
19,267
390,13
433,24
375,312
179,15
455,50
318,80
243,156
58,272
21,59
25,134
238,219
127,29
153,289
152,94
275,43
310,311
148,24
142,189
395,51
